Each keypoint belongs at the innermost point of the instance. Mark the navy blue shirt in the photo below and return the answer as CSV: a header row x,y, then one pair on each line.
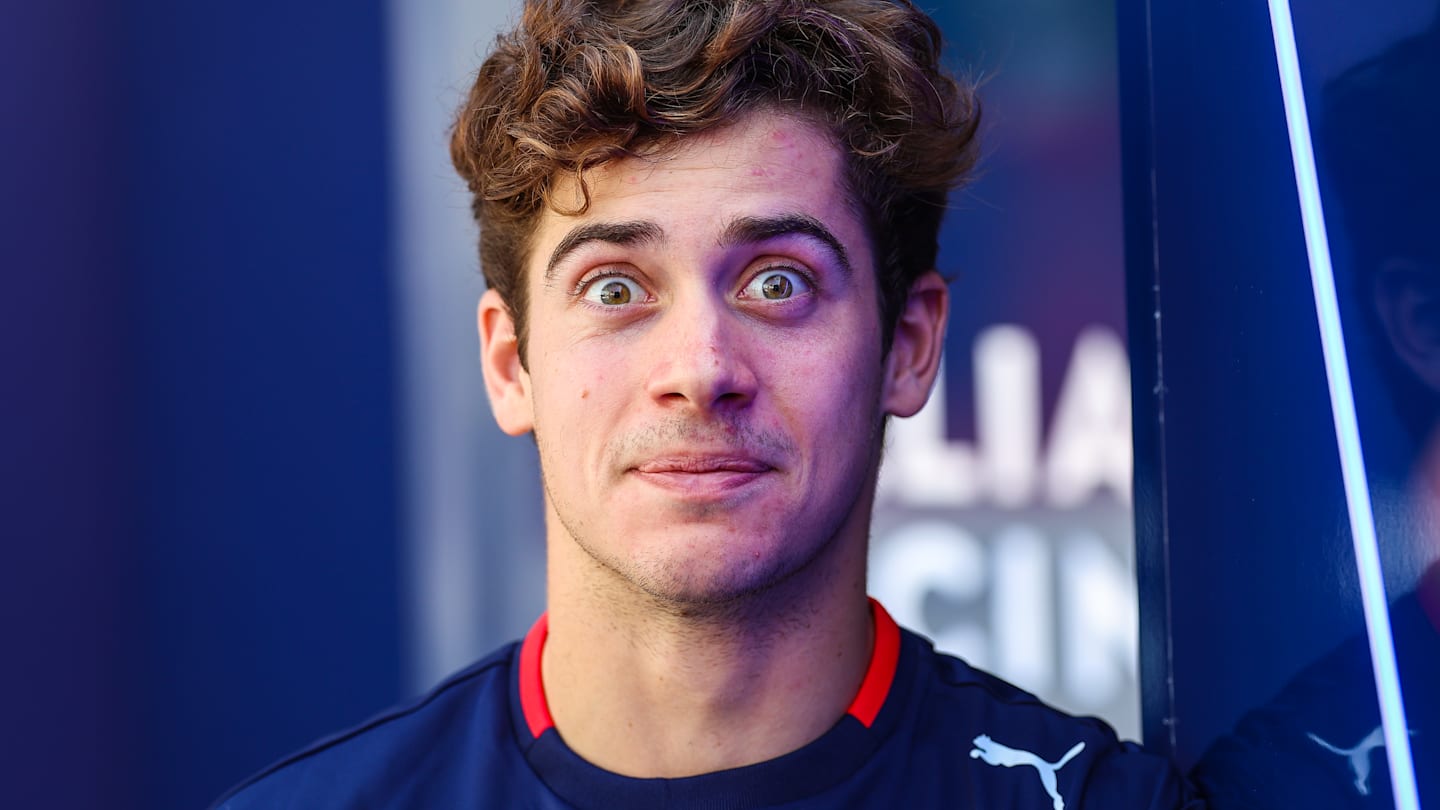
x,y
925,731
1319,742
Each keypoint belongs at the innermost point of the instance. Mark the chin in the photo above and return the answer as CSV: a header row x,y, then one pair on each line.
x,y
720,583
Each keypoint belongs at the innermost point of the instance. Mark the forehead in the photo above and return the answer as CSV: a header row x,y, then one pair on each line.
x,y
765,163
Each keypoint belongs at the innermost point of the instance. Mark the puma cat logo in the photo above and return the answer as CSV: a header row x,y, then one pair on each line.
x,y
1358,755
1004,756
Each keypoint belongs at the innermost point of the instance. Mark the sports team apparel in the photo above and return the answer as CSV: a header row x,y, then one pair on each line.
x,y
1319,743
925,731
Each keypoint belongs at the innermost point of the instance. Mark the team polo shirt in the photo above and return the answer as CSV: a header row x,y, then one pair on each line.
x,y
925,730
1319,743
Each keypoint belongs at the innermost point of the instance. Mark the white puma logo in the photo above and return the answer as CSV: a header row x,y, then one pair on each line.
x,y
1358,755
1005,756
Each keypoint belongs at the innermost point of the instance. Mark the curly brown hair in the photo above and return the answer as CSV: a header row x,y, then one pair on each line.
x,y
582,82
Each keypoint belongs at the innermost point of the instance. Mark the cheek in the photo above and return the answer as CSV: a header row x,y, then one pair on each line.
x,y
572,372
825,383
579,390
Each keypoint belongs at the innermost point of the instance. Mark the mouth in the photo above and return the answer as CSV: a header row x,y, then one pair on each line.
x,y
702,464
702,477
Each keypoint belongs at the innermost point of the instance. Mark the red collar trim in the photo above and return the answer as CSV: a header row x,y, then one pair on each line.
x,y
532,690
879,674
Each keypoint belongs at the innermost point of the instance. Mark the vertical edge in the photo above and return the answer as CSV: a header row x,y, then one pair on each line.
x,y
1143,311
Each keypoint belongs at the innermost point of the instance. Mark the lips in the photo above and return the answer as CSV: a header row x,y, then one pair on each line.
x,y
702,477
699,465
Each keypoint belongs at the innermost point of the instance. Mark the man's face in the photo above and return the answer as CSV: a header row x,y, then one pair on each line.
x,y
705,380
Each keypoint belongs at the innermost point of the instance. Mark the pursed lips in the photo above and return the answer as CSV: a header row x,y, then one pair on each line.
x,y
701,475
701,464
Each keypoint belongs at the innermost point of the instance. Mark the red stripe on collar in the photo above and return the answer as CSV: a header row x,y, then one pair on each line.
x,y
532,689
879,674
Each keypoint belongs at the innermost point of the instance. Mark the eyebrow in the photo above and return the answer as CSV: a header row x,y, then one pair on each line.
x,y
635,232
745,230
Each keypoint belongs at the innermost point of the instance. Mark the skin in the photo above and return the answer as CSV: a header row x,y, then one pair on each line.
x,y
707,391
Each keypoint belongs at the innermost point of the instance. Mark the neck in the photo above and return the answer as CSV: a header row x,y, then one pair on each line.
x,y
649,690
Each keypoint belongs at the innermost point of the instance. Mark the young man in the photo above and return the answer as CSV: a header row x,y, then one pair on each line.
x,y
709,230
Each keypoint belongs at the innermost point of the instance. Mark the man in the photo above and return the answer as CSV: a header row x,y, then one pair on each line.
x,y
709,231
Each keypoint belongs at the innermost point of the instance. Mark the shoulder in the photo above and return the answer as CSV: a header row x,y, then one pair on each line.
x,y
1319,742
1015,744
961,698
463,720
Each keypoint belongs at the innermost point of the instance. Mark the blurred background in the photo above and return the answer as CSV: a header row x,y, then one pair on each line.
x,y
252,492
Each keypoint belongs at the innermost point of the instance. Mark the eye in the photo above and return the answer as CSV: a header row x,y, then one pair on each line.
x,y
613,291
777,284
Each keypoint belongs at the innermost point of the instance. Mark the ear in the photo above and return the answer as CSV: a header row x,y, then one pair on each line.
x,y
506,381
914,358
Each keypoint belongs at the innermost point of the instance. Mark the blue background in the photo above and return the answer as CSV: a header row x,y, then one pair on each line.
x,y
199,432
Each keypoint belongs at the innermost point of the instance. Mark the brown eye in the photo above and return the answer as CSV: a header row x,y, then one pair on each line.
x,y
777,284
615,291
776,287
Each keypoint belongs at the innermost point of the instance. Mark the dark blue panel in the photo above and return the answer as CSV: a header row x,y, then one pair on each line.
x,y
1248,571
256,216
1242,523
1152,560
66,583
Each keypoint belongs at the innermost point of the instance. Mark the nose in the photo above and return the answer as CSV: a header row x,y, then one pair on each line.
x,y
700,360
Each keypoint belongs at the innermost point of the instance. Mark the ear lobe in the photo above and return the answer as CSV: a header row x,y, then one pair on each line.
x,y
506,381
914,358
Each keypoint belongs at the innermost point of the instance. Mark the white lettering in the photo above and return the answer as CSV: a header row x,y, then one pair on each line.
x,y
1089,442
1099,620
1090,434
1007,413
1022,608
